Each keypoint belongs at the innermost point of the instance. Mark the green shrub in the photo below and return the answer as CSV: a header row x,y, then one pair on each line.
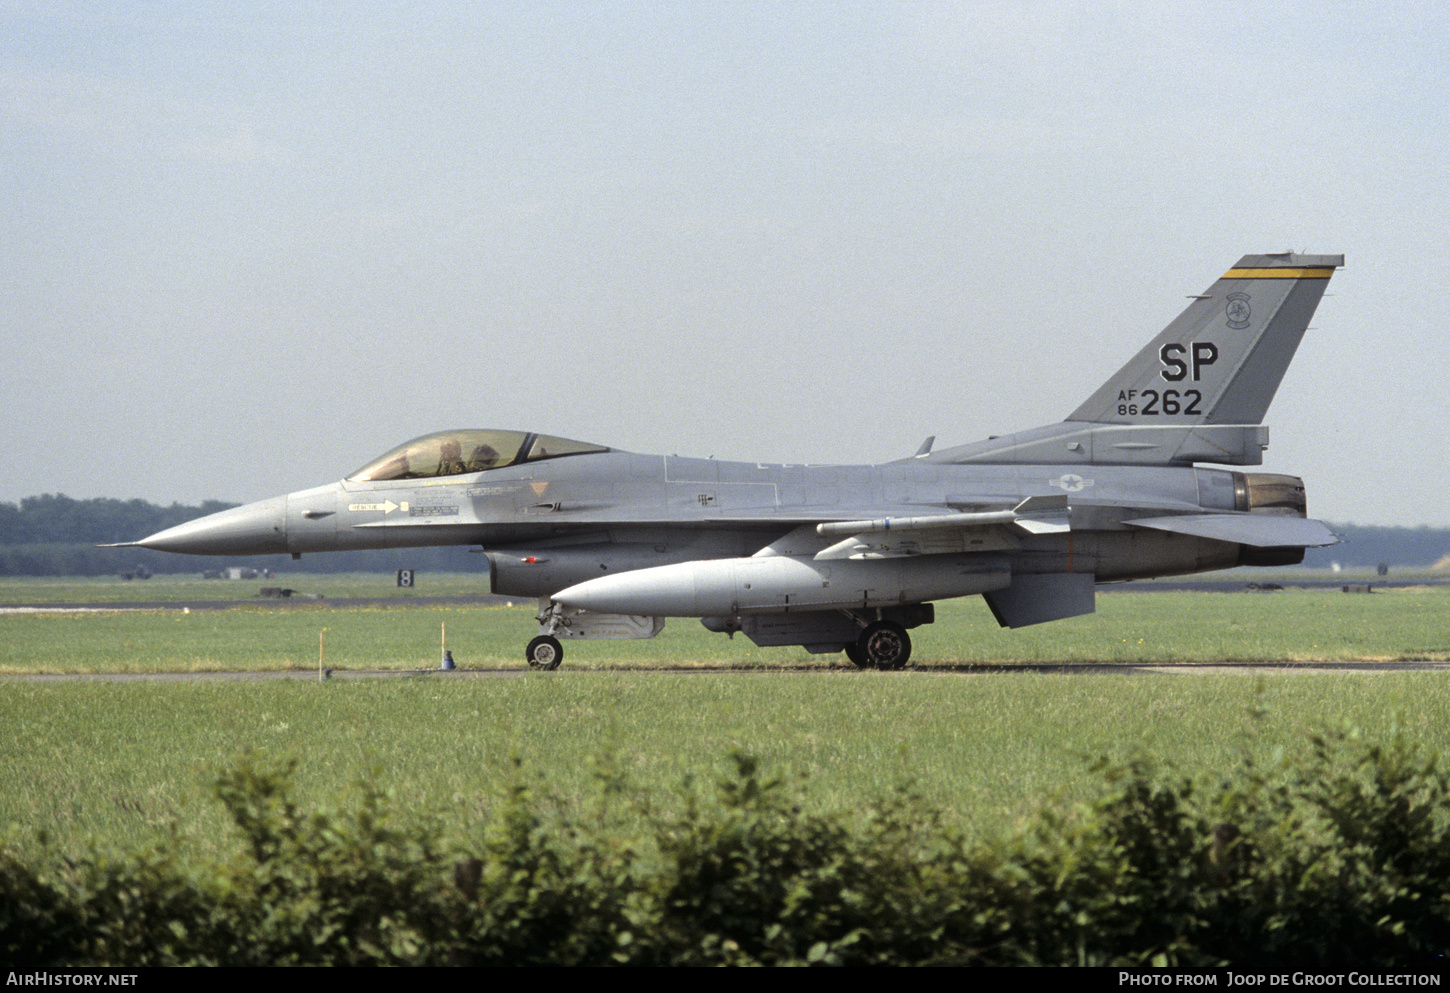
x,y
39,924
748,878
1335,857
1343,858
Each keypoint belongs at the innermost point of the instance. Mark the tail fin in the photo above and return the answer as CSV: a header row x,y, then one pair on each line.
x,y
1222,360
1197,392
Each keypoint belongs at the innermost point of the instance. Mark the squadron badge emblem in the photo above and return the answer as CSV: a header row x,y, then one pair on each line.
x,y
1238,311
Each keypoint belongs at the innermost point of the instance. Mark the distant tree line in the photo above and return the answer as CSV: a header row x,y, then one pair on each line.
x,y
55,535
55,518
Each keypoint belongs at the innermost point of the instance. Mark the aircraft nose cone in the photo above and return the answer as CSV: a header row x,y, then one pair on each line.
x,y
255,529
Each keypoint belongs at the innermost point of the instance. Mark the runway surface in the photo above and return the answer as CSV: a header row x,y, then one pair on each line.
x,y
1050,668
511,672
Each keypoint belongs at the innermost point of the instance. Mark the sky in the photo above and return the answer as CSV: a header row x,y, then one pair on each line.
x,y
250,246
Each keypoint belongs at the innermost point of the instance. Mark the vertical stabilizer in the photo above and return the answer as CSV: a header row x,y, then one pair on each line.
x,y
1223,358
1198,391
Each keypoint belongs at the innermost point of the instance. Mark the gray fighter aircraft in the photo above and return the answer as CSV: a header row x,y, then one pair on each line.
x,y
848,558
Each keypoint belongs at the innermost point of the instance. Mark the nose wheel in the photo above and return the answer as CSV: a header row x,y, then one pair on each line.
x,y
544,652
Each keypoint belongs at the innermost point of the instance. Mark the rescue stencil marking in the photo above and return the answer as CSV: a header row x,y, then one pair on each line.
x,y
386,507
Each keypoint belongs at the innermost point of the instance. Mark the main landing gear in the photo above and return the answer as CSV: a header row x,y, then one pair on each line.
x,y
881,645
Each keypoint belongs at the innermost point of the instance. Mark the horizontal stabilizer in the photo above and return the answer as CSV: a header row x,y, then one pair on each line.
x,y
1258,530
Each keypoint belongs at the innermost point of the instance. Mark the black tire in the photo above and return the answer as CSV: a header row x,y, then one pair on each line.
x,y
853,652
544,652
884,645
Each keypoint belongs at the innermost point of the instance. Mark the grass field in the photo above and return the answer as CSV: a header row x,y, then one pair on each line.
x,y
126,763
190,586
1293,625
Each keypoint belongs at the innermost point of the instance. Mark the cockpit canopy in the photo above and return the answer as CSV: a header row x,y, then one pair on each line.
x,y
451,453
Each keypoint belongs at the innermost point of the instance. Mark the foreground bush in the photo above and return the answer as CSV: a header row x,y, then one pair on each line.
x,y
1337,857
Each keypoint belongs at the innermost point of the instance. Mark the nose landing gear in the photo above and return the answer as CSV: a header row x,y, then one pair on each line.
x,y
544,652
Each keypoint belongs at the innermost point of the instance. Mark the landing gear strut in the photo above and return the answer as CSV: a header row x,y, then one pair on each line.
x,y
882,645
544,652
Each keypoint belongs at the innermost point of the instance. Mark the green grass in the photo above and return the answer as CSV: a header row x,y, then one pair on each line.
x,y
1296,626
190,586
121,762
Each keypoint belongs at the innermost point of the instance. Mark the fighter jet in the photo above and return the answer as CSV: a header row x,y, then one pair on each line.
x,y
849,558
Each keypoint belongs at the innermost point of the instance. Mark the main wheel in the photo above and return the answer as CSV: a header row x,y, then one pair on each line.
x,y
544,652
853,652
884,645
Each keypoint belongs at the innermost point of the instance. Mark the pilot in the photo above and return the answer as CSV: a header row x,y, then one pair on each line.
x,y
485,456
450,461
